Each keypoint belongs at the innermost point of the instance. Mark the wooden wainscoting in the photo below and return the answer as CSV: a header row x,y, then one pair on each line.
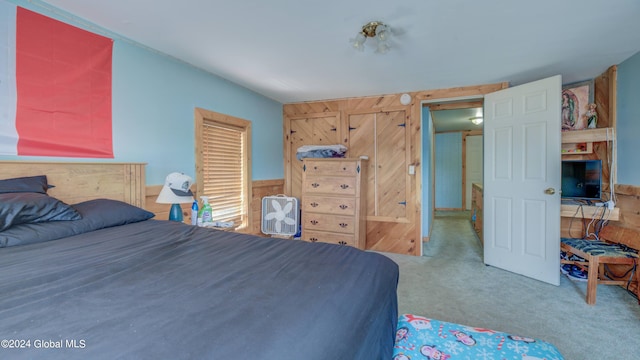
x,y
627,230
260,189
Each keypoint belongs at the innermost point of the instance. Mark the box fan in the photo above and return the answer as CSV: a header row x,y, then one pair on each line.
x,y
280,215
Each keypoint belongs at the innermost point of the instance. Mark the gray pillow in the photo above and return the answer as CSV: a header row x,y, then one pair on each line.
x,y
30,207
36,184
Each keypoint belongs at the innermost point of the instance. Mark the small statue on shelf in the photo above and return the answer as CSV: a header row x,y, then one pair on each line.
x,y
591,116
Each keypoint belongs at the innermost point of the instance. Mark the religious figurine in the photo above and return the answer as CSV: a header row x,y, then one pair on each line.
x,y
591,116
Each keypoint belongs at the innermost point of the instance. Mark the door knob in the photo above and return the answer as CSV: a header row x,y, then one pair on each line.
x,y
550,191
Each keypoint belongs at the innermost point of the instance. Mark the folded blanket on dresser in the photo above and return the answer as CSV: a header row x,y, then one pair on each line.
x,y
321,151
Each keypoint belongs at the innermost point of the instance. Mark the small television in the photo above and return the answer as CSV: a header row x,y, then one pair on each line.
x,y
581,179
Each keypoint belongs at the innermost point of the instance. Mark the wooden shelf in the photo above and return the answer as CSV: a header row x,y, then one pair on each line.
x,y
581,141
588,135
577,148
589,212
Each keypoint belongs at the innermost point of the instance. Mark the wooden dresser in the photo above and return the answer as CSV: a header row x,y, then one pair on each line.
x,y
334,201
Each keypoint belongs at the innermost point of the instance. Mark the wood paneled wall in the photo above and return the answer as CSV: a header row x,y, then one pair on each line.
x,y
260,188
604,97
625,231
357,123
401,234
604,89
627,197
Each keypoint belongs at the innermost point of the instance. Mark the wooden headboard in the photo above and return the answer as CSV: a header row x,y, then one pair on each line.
x,y
80,181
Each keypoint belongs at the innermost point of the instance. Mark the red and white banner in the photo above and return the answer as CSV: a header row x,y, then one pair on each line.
x,y
55,87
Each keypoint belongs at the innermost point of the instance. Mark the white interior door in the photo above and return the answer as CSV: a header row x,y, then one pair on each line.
x,y
522,154
473,156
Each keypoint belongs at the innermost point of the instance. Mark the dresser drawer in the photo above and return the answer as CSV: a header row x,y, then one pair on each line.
x,y
325,222
334,167
328,237
334,185
331,205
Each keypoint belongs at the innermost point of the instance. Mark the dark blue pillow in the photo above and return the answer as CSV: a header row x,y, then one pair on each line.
x,y
96,214
102,213
29,207
35,184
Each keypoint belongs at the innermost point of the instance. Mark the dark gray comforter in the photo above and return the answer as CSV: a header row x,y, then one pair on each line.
x,y
164,290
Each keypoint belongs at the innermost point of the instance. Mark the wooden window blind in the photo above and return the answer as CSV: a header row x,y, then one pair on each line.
x,y
222,151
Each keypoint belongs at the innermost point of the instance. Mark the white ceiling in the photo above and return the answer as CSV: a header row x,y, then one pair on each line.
x,y
455,119
298,50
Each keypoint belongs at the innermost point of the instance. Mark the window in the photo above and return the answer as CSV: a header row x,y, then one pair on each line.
x,y
223,169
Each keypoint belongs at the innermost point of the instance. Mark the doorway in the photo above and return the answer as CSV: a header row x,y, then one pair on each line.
x,y
458,153
457,164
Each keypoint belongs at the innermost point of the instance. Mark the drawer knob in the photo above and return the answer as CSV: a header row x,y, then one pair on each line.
x,y
343,225
315,185
314,222
314,204
343,206
344,186
313,239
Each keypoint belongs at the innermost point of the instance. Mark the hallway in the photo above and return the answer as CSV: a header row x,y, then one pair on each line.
x,y
452,237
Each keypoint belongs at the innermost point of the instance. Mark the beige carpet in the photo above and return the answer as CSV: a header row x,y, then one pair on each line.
x,y
451,283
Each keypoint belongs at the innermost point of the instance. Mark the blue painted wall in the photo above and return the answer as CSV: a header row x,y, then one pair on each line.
x,y
628,121
154,97
448,170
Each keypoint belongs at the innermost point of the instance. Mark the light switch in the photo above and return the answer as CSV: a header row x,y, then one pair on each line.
x,y
412,169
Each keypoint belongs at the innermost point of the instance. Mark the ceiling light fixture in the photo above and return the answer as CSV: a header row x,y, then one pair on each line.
x,y
376,30
476,120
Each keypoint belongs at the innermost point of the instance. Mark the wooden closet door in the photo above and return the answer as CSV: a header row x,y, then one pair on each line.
x,y
382,137
312,130
362,142
391,165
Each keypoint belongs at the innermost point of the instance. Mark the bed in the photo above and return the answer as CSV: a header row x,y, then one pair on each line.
x,y
112,282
